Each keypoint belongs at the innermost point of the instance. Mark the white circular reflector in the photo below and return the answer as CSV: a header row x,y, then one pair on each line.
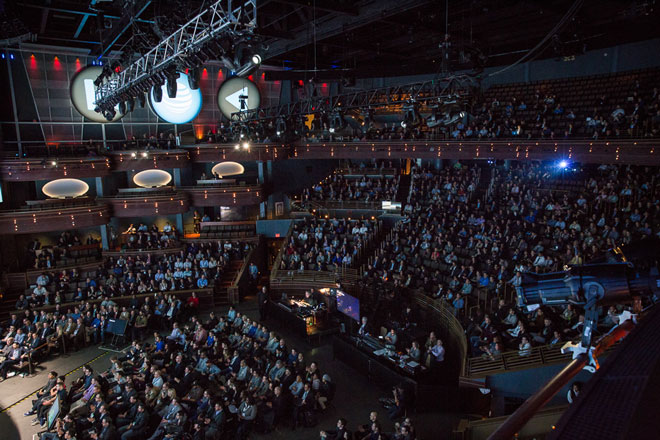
x,y
62,188
152,178
83,91
224,169
238,94
181,109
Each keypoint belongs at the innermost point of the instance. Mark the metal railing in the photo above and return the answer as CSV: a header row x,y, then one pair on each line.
x,y
516,360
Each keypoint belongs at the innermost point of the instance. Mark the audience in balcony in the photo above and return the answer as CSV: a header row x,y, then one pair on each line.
x,y
326,245
196,265
68,246
339,188
462,239
145,237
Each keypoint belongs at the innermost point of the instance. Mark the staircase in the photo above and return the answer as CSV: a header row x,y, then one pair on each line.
x,y
220,292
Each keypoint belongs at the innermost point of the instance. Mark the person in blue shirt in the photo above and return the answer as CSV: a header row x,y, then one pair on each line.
x,y
202,282
458,303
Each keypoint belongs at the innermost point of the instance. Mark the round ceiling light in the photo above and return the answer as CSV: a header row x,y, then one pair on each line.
x,y
224,169
238,94
152,178
63,188
83,94
183,108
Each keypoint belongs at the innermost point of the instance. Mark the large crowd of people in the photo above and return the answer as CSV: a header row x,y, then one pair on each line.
x,y
463,241
220,377
144,237
197,265
340,188
326,244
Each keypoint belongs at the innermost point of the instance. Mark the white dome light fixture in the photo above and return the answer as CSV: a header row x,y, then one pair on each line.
x,y
65,188
224,169
152,178
183,108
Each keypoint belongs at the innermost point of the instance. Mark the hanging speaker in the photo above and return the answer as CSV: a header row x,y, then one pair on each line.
x,y
141,99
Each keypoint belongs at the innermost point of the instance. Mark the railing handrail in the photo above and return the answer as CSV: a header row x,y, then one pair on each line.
x,y
38,208
512,360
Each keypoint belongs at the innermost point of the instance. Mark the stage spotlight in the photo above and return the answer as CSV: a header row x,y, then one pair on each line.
x,y
145,154
193,78
158,93
336,122
563,164
237,147
256,59
110,114
411,115
133,155
245,145
280,126
54,163
171,84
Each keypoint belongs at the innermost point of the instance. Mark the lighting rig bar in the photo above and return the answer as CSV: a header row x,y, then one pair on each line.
x,y
222,18
422,92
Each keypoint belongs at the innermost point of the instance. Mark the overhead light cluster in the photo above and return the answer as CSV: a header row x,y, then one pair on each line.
x,y
227,36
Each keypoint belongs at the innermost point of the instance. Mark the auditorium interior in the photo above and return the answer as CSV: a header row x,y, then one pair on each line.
x,y
329,219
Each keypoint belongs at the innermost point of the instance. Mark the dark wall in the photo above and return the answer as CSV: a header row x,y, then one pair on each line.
x,y
519,385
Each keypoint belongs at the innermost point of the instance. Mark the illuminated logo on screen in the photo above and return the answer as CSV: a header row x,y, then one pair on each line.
x,y
82,94
238,94
183,108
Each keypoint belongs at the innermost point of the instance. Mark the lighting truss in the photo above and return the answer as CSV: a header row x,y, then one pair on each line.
x,y
437,90
224,18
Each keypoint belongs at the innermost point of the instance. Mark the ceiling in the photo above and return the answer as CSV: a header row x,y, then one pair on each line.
x,y
340,38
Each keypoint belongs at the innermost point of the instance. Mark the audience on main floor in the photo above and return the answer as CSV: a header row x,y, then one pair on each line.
x,y
221,378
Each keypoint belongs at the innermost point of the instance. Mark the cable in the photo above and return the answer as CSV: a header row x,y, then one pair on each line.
x,y
569,14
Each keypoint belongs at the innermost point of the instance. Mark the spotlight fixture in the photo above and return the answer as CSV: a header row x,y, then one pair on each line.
x,y
145,154
336,122
158,93
280,126
237,147
193,78
245,145
411,115
133,154
53,163
256,59
171,84
563,164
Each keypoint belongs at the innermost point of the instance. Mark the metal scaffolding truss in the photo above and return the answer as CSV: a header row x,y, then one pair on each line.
x,y
223,18
426,92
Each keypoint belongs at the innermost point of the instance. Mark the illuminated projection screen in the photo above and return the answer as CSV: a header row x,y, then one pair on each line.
x,y
183,108
82,94
236,93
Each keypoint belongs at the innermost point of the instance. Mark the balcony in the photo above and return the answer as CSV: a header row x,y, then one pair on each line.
x,y
629,151
22,170
208,195
48,218
139,202
148,159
